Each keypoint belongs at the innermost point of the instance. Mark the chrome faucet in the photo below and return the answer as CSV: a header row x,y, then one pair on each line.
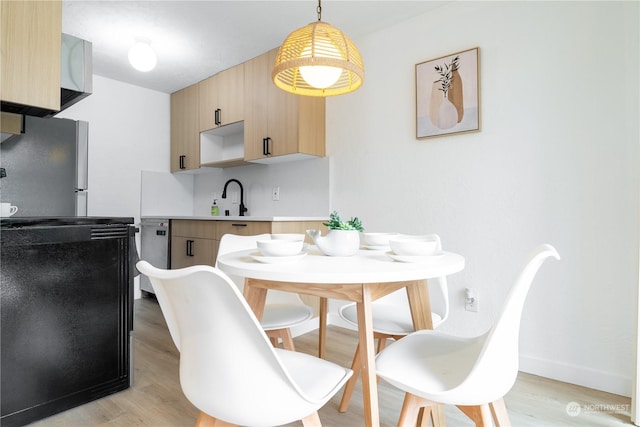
x,y
243,209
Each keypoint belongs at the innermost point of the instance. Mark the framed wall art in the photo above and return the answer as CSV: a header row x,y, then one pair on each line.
x,y
448,94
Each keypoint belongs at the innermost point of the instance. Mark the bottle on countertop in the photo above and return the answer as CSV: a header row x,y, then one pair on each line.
x,y
215,210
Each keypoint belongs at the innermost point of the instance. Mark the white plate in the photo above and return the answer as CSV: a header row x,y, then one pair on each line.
x,y
276,259
377,247
421,259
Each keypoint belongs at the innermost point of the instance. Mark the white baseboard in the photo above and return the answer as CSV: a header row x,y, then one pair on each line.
x,y
591,378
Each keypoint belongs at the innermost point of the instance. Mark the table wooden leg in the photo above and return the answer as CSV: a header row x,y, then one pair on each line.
x,y
256,298
322,333
418,294
367,355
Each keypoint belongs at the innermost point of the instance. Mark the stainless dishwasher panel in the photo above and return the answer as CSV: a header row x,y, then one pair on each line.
x,y
154,247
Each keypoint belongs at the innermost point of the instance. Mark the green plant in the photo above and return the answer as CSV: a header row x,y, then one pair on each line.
x,y
336,223
446,74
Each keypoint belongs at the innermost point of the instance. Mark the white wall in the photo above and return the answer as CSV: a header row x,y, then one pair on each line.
x,y
556,161
128,133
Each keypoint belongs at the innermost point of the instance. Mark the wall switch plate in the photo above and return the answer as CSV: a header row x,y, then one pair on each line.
x,y
471,301
276,194
234,197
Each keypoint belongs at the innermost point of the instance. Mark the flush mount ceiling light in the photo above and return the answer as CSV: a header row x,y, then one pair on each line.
x,y
142,56
318,60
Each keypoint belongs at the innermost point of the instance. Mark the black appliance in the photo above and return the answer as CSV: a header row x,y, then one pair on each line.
x,y
66,294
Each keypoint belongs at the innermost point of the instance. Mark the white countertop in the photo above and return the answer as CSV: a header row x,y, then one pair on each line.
x,y
242,218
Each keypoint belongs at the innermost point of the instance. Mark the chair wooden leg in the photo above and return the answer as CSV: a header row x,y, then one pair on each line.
x,y
382,343
423,417
437,415
500,414
287,340
411,408
206,420
417,411
322,333
275,335
312,420
480,415
356,367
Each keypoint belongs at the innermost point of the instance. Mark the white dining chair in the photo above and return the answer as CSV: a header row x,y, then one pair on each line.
x,y
228,368
392,320
283,310
474,374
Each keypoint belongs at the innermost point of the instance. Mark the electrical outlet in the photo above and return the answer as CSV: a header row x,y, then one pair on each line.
x,y
471,302
234,197
276,194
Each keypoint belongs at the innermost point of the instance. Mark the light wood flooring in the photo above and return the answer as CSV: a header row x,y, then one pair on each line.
x,y
156,400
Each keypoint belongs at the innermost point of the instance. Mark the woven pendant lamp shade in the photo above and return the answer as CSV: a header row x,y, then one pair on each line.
x,y
318,44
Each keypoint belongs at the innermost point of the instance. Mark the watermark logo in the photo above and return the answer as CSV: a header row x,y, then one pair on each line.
x,y
574,408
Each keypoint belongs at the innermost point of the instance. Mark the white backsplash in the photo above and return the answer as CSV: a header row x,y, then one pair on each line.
x,y
166,194
304,190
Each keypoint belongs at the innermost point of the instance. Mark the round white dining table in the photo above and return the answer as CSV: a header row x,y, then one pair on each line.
x,y
361,278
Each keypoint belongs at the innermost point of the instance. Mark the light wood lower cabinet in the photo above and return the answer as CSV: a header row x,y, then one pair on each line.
x,y
195,242
243,228
188,251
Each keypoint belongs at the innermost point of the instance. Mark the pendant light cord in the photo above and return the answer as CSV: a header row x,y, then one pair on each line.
x,y
319,10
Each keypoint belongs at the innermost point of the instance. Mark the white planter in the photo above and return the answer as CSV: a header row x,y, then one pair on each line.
x,y
336,242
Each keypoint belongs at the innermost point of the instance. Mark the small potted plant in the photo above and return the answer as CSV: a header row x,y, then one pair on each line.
x,y
343,238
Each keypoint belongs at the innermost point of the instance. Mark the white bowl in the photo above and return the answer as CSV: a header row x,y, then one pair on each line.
x,y
414,245
280,247
378,239
288,236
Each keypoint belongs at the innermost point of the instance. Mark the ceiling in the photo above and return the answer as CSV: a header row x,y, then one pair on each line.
x,y
196,39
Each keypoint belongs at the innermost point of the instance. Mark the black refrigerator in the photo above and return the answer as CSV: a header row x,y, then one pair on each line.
x,y
66,295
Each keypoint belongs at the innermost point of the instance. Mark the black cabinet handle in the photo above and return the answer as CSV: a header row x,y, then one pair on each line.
x,y
265,146
190,247
181,161
217,117
238,225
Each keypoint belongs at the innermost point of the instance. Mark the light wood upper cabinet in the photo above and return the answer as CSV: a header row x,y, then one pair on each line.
x,y
278,123
185,129
221,98
31,38
240,116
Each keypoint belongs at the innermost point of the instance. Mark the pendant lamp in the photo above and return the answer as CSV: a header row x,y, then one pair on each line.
x,y
318,60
